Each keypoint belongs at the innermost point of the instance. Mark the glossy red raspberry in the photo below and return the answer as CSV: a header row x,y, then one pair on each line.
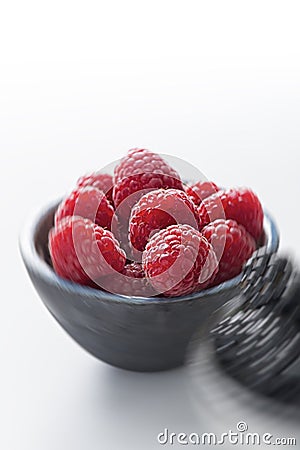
x,y
101,181
232,244
201,190
241,205
139,172
131,281
157,210
179,260
87,202
83,252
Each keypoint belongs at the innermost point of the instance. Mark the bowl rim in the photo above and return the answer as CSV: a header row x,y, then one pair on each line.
x,y
35,263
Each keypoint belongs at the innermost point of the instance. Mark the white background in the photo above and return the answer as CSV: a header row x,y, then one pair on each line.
x,y
216,83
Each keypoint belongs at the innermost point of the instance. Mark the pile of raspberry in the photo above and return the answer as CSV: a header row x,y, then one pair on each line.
x,y
143,232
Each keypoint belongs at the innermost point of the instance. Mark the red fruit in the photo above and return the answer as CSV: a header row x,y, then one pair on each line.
x,y
139,172
87,202
201,190
131,281
232,244
241,205
179,260
101,181
133,270
83,252
157,210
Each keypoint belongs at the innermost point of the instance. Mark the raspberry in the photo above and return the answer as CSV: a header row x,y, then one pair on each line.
x,y
133,270
179,260
232,244
201,190
139,172
101,181
241,205
132,283
83,252
159,209
87,202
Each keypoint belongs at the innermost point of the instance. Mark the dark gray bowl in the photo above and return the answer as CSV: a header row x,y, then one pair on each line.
x,y
143,334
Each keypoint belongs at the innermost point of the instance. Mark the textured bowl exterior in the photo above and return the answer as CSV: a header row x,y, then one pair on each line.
x,y
135,333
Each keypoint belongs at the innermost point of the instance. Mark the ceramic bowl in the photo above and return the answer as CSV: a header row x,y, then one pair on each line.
x,y
135,333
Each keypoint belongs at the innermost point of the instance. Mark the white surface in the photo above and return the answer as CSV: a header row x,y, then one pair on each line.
x,y
216,83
